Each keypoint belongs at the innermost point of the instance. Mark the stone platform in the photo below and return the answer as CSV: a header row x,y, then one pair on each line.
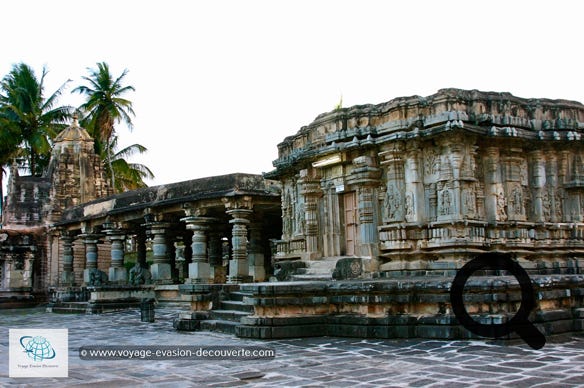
x,y
407,307
107,298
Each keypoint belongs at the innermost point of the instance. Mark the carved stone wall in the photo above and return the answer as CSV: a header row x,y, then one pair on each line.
x,y
450,175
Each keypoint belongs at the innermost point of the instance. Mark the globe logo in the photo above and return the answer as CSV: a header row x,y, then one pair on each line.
x,y
37,348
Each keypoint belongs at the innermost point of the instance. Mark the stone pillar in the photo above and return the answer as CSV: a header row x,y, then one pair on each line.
x,y
160,269
117,272
67,275
238,265
90,241
256,253
199,268
538,183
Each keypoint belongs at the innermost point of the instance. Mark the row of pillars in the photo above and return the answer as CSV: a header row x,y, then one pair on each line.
x,y
245,264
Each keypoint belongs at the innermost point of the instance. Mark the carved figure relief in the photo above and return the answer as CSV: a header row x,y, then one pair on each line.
x,y
528,203
287,206
558,205
469,201
299,219
501,203
410,209
545,202
523,173
516,202
392,202
445,203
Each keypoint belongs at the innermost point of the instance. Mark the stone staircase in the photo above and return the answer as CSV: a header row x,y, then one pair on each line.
x,y
224,317
316,270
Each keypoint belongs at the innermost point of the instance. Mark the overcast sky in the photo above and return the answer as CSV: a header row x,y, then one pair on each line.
x,y
220,83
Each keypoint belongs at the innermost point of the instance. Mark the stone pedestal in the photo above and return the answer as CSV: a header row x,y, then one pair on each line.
x,y
238,265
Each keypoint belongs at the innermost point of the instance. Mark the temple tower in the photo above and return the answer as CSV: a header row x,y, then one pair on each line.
x,y
75,172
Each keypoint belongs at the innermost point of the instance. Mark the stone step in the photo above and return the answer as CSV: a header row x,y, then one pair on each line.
x,y
236,305
219,325
238,295
311,277
228,315
173,304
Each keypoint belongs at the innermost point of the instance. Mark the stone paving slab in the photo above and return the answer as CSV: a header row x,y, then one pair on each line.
x,y
313,362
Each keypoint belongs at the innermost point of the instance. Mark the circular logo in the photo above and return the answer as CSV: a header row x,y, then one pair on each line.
x,y
37,348
519,323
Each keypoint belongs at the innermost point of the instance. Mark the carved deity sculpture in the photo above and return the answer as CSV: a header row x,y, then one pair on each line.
x,y
501,203
410,210
391,204
299,219
469,200
516,201
445,202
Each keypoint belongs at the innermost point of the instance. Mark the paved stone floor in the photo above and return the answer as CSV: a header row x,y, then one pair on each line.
x,y
314,362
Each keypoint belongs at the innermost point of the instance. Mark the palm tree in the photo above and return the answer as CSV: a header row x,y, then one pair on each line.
x,y
127,176
33,120
105,106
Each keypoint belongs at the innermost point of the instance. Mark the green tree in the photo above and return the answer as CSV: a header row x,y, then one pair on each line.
x,y
30,118
105,106
9,150
128,176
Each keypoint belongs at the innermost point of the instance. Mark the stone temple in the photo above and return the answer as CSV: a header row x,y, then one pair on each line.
x,y
358,231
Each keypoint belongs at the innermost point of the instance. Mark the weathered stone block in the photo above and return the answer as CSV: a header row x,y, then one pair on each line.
x,y
200,271
161,272
118,275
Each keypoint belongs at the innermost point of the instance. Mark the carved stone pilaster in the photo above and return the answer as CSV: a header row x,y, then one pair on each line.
x,y
414,185
365,179
511,164
310,189
394,200
494,194
538,178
